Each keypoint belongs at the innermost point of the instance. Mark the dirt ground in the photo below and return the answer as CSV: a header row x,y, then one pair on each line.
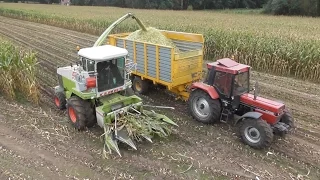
x,y
40,143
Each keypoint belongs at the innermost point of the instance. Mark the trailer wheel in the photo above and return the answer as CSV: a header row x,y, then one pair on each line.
x,y
80,113
288,119
257,133
140,86
60,100
203,108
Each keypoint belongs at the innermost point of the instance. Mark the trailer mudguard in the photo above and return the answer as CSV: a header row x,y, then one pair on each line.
x,y
253,115
208,89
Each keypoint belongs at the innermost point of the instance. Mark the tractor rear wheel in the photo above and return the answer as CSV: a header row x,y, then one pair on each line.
x,y
139,85
60,100
257,133
80,113
203,108
288,119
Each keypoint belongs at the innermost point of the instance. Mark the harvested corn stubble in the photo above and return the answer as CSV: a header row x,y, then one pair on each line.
x,y
152,35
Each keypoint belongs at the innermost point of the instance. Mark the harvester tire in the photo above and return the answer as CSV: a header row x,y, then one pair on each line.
x,y
256,133
288,119
80,113
60,100
140,86
203,108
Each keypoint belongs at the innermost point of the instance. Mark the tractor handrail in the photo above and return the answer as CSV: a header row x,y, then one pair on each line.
x,y
113,25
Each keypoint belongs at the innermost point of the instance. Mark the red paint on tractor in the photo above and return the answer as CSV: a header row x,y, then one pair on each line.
x,y
229,66
269,116
209,89
262,103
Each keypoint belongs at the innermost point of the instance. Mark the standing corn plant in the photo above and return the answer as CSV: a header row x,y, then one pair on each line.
x,y
17,72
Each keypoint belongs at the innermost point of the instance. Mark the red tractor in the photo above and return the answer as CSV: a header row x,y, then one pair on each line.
x,y
224,96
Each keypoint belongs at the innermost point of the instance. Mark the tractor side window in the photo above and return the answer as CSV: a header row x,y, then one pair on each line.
x,y
90,65
223,81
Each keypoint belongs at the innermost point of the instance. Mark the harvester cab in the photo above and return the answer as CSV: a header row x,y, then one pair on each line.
x,y
225,96
97,90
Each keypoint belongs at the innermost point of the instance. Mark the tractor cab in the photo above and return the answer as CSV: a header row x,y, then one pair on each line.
x,y
230,78
106,66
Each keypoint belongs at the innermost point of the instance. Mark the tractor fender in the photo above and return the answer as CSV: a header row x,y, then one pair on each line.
x,y
208,89
253,115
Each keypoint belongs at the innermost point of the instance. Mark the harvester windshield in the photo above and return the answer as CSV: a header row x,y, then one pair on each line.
x,y
110,74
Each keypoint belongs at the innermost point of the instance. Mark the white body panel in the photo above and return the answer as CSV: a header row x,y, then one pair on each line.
x,y
102,53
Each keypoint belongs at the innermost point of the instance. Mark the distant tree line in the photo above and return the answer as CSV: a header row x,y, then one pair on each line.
x,y
276,7
293,7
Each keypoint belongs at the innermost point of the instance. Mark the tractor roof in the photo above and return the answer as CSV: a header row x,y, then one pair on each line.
x,y
229,66
102,53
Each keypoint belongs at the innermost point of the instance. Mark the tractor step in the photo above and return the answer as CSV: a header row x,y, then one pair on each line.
x,y
225,115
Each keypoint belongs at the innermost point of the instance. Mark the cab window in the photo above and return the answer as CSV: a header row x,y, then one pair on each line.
x,y
223,81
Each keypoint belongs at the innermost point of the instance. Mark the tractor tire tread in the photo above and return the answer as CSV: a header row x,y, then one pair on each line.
x,y
267,136
288,119
214,104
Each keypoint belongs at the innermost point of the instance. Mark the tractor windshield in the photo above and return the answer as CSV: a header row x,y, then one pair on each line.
x,y
241,83
110,74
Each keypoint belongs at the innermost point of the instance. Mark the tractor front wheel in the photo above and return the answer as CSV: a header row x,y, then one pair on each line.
x,y
287,118
60,100
257,133
139,85
80,113
203,108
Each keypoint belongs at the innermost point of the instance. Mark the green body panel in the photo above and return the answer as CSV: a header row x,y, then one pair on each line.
x,y
114,100
69,87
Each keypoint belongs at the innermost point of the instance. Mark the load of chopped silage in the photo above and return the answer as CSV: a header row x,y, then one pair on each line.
x,y
152,35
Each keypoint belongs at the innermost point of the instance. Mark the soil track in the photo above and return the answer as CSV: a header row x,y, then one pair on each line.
x,y
40,143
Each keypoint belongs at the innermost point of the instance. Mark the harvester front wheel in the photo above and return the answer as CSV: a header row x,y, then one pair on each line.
x,y
80,113
60,100
203,108
257,133
139,85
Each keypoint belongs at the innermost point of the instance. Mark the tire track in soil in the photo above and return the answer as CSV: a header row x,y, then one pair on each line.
x,y
304,88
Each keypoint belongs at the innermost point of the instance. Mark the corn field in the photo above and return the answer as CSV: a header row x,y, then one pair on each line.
x,y
286,46
17,72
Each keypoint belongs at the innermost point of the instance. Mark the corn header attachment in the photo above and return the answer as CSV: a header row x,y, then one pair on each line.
x,y
131,124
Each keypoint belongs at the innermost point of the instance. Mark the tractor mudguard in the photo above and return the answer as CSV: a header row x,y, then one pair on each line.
x,y
208,89
253,115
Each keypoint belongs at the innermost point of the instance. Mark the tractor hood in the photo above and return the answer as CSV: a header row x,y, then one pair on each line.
x,y
262,103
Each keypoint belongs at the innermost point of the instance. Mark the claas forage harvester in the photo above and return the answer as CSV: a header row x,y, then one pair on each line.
x,y
97,90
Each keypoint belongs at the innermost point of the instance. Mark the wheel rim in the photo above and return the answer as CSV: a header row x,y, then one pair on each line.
x,y
138,86
252,134
57,102
201,107
72,115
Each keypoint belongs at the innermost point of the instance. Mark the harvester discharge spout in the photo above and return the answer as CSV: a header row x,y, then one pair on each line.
x,y
104,35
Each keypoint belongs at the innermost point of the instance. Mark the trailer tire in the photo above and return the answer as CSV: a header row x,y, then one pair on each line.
x,y
210,109
80,113
256,133
140,86
60,100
